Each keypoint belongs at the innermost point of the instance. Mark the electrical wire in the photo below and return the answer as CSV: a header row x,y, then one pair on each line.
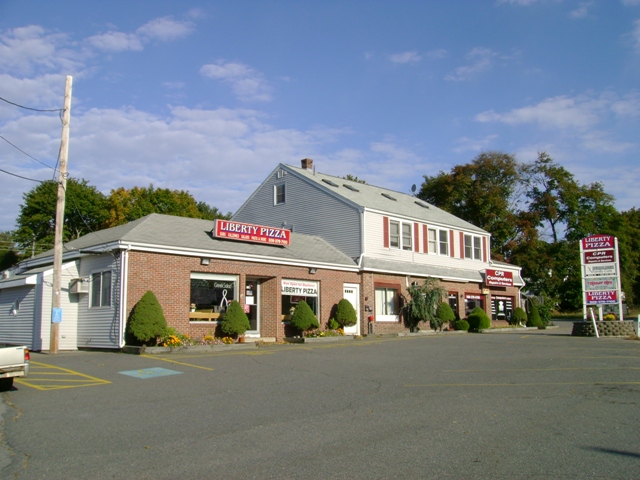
x,y
20,176
31,157
32,109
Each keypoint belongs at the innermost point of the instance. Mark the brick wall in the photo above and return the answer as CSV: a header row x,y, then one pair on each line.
x,y
168,276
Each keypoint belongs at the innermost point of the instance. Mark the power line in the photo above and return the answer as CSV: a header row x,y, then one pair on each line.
x,y
20,150
32,109
20,176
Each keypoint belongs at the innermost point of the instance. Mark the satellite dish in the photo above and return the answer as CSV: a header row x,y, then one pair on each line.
x,y
413,188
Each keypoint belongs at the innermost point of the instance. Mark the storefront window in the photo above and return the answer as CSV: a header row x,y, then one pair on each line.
x,y
501,307
453,303
472,301
213,293
294,291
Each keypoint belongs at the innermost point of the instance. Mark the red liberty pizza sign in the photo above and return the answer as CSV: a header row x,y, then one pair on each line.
x,y
597,242
248,232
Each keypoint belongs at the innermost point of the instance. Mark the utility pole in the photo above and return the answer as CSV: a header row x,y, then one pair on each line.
x,y
56,310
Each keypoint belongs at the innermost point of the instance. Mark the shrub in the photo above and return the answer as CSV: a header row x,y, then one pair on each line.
x,y
534,317
303,317
478,320
462,324
444,314
346,314
235,321
333,324
519,317
609,317
147,321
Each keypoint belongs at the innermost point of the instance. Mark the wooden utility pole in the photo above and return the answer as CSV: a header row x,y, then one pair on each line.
x,y
56,310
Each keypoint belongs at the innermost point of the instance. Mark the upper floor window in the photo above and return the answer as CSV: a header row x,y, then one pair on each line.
x,y
101,289
278,194
472,247
438,241
400,235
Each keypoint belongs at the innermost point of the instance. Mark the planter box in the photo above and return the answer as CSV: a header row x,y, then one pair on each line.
x,y
192,348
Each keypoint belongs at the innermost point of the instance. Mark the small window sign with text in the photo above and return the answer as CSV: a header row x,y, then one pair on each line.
x,y
246,232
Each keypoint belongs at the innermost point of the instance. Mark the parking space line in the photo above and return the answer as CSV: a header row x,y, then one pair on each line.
x,y
553,369
155,357
43,376
545,384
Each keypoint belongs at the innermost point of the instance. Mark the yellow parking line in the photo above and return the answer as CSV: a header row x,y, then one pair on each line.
x,y
517,384
155,357
543,369
41,378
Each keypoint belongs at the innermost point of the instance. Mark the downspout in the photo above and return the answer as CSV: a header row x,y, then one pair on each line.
x,y
124,274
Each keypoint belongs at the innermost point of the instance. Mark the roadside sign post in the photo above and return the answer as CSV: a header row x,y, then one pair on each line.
x,y
600,275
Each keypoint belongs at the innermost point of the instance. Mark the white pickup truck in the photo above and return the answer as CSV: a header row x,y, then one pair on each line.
x,y
14,362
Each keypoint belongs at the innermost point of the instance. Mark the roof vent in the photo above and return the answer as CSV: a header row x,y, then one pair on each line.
x,y
329,182
350,187
386,195
423,205
307,163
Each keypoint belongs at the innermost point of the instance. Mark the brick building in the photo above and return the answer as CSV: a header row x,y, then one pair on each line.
x,y
330,239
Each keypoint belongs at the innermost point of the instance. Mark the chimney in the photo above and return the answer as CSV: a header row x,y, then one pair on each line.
x,y
307,163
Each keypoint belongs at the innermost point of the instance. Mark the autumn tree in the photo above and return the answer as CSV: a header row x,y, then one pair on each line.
x,y
126,205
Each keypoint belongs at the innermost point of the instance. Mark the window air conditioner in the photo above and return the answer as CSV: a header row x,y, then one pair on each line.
x,y
79,285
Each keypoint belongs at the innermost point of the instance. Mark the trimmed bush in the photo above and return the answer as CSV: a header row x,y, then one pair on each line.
x,y
333,324
462,324
235,321
534,317
444,314
303,317
519,317
478,320
346,314
147,321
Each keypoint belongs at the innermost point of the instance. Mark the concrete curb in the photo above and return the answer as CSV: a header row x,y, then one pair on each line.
x,y
191,348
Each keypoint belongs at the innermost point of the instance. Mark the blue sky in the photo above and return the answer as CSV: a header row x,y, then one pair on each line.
x,y
209,96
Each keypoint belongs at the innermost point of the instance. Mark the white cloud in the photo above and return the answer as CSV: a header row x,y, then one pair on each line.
x,y
165,29
116,42
437,54
405,57
557,112
635,35
519,2
480,60
248,84
466,144
26,49
600,142
581,12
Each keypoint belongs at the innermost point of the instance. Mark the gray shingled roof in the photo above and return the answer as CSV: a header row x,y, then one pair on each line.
x,y
373,198
193,235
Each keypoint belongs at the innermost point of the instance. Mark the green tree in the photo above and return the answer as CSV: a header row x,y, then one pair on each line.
x,y
208,212
483,192
303,317
235,320
353,178
445,314
85,211
147,321
345,313
9,255
424,303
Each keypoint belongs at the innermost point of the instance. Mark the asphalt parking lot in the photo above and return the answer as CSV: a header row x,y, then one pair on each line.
x,y
535,404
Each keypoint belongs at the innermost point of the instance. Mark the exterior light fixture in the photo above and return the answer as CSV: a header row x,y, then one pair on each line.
x,y
204,261
312,271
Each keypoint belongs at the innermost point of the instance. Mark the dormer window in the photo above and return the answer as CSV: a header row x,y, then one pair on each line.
x,y
400,235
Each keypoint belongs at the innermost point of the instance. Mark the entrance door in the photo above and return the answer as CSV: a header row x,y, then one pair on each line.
x,y
351,291
252,308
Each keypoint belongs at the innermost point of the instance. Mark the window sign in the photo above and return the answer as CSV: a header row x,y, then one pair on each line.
x,y
295,291
213,293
